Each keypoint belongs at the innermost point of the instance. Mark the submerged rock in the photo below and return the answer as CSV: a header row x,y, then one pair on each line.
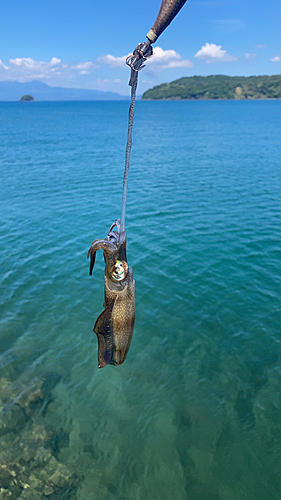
x,y
29,465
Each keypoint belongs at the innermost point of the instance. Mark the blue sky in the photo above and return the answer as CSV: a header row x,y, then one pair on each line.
x,y
83,43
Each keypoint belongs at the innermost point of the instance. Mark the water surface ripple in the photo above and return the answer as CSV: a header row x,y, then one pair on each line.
x,y
195,411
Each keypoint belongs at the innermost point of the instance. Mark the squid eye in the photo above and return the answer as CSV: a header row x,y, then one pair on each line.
x,y
119,270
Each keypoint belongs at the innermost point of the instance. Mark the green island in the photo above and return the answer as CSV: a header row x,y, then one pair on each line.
x,y
27,98
218,87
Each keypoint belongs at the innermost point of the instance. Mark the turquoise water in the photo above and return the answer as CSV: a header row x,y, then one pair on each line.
x,y
195,411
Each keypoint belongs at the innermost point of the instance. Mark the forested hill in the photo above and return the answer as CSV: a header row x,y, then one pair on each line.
x,y
218,87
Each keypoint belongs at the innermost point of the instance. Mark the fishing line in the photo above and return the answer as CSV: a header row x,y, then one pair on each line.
x,y
167,12
128,154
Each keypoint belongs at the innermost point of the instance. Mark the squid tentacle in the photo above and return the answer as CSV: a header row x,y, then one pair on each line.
x,y
107,246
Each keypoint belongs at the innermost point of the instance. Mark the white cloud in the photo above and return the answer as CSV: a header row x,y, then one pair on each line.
x,y
117,80
275,59
161,59
54,61
114,62
2,65
83,68
104,84
229,25
150,82
25,68
214,53
249,55
165,59
27,62
100,81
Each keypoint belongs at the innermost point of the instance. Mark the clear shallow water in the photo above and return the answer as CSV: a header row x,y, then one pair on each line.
x,y
195,411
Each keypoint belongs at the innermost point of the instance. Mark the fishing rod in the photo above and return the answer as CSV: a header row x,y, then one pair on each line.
x,y
114,326
168,10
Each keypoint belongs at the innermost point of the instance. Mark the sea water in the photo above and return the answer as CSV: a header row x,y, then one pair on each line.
x,y
194,413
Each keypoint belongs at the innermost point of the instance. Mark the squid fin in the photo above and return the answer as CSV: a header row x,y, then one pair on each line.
x,y
103,329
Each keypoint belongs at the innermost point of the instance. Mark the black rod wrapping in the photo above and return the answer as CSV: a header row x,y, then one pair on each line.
x,y
167,12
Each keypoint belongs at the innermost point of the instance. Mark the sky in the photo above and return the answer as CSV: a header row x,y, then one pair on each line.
x,y
84,43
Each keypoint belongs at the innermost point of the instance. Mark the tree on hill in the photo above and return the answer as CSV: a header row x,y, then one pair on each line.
x,y
218,87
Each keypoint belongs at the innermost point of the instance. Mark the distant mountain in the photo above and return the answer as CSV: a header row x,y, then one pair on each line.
x,y
13,91
218,87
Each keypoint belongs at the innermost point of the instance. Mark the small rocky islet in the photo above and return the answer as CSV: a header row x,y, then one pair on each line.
x,y
27,98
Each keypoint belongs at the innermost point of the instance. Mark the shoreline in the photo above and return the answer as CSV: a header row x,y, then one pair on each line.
x,y
220,99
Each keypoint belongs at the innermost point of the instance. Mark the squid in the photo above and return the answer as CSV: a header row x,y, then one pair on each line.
x,y
114,326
